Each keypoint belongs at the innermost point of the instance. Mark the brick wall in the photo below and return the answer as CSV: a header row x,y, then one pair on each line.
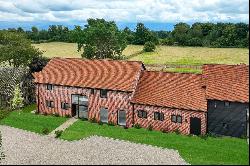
x,y
166,124
115,101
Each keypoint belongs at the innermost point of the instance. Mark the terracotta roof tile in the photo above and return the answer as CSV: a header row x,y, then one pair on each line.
x,y
103,74
173,90
227,82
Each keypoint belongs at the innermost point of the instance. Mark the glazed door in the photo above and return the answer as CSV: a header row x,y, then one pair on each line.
x,y
122,118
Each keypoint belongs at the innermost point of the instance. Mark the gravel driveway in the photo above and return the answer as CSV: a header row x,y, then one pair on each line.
x,y
22,147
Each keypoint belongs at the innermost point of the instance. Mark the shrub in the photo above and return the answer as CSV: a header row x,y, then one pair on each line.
x,y
100,123
177,131
4,113
137,126
93,120
57,115
164,130
58,133
150,127
125,127
45,131
149,47
45,113
67,116
111,123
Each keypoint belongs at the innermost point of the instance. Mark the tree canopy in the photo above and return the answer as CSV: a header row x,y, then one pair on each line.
x,y
16,49
100,39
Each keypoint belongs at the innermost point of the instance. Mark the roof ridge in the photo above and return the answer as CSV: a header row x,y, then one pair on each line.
x,y
174,73
118,60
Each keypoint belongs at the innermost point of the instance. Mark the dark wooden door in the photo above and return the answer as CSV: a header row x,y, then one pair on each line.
x,y
74,109
195,126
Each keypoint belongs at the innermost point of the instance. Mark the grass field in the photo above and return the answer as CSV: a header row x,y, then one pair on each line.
x,y
28,121
164,55
193,149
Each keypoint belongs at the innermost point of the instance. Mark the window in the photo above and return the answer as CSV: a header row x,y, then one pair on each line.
x,y
50,104
173,118
49,87
142,114
92,91
176,118
103,93
158,116
179,119
64,105
227,104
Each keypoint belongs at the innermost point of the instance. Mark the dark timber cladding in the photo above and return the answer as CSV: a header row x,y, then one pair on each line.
x,y
227,118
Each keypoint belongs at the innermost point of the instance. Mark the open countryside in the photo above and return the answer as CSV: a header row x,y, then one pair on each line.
x,y
167,58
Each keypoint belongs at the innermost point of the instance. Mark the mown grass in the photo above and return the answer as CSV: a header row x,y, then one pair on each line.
x,y
162,55
193,149
26,120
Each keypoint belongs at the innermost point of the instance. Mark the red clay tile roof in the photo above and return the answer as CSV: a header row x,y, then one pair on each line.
x,y
227,82
175,90
103,74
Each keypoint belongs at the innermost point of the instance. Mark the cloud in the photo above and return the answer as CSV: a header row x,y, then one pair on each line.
x,y
125,10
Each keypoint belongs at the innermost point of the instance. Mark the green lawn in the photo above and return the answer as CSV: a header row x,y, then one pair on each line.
x,y
32,122
194,150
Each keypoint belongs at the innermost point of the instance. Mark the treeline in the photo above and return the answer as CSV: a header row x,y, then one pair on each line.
x,y
198,34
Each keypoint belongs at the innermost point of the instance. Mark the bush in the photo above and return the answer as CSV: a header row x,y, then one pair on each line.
x,y
57,115
137,126
58,133
45,131
45,113
111,123
93,120
67,116
100,123
177,131
150,127
149,47
4,113
165,130
125,127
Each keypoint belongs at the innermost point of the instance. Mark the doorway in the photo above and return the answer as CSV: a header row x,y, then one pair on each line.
x,y
80,106
195,126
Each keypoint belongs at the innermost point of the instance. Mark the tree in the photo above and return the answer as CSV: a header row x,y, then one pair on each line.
x,y
180,33
100,39
143,34
16,50
17,101
38,63
129,35
149,46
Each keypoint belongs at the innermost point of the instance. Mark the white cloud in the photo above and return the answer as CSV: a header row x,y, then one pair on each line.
x,y
125,10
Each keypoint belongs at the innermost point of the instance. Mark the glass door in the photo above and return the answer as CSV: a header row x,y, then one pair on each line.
x,y
80,105
122,118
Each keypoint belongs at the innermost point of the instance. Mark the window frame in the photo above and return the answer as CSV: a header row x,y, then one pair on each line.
x,y
51,87
178,116
172,120
103,95
227,104
142,114
50,104
64,105
160,116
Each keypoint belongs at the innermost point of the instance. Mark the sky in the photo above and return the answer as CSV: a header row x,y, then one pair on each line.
x,y
156,14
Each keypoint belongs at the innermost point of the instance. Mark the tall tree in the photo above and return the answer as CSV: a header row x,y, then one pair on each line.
x,y
180,33
143,35
15,49
100,39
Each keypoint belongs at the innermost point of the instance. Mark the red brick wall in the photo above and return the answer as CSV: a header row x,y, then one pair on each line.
x,y
114,102
166,124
